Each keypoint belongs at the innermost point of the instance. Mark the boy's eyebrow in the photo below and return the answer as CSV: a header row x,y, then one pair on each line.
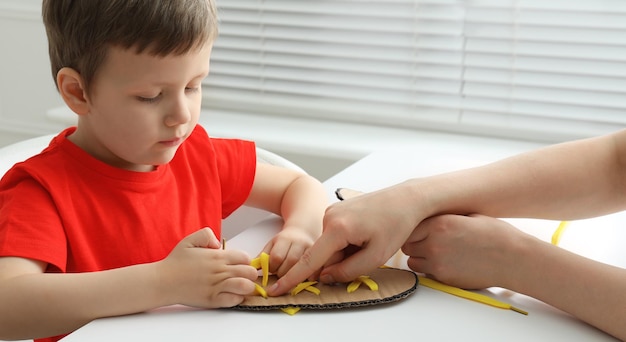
x,y
198,77
202,75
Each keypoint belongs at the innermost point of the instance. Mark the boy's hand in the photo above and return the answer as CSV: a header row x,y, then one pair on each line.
x,y
198,273
286,248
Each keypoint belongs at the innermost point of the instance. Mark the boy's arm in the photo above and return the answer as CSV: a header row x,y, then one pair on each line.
x,y
37,304
301,201
196,273
286,192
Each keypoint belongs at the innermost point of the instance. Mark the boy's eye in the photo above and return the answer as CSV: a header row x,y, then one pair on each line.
x,y
149,99
192,89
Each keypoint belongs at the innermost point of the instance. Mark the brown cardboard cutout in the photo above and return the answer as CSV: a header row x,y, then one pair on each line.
x,y
393,285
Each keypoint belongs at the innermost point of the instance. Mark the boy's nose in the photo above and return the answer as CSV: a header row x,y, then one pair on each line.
x,y
179,113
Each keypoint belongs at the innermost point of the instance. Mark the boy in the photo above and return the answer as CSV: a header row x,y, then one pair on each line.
x,y
112,217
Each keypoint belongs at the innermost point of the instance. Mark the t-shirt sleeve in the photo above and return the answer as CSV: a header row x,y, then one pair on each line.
x,y
24,234
236,162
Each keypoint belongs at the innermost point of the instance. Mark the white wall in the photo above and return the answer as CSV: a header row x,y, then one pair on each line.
x,y
26,87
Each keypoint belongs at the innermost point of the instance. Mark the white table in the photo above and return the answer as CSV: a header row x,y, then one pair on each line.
x,y
425,315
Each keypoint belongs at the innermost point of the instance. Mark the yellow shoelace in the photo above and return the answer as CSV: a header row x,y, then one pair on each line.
x,y
262,263
556,237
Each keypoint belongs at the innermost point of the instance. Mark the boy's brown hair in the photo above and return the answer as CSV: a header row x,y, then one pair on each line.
x,y
81,31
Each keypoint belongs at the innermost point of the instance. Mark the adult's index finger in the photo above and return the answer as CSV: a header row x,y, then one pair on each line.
x,y
312,260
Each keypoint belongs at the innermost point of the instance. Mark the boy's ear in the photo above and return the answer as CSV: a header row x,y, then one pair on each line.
x,y
72,91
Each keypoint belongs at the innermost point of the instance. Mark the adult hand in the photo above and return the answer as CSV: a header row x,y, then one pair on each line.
x,y
360,234
471,252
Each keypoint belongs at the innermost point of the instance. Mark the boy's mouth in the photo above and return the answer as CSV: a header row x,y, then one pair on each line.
x,y
171,142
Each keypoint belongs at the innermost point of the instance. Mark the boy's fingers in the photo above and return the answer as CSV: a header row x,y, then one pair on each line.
x,y
311,261
235,257
245,271
203,238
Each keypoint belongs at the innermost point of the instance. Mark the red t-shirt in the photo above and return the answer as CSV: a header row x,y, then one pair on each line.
x,y
79,214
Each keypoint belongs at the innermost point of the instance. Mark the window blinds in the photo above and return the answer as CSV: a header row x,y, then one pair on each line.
x,y
548,69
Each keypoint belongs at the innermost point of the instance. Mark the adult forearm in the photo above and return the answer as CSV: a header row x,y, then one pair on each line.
x,y
589,290
41,305
566,181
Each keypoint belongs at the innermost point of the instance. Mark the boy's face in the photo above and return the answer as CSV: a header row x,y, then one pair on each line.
x,y
142,107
